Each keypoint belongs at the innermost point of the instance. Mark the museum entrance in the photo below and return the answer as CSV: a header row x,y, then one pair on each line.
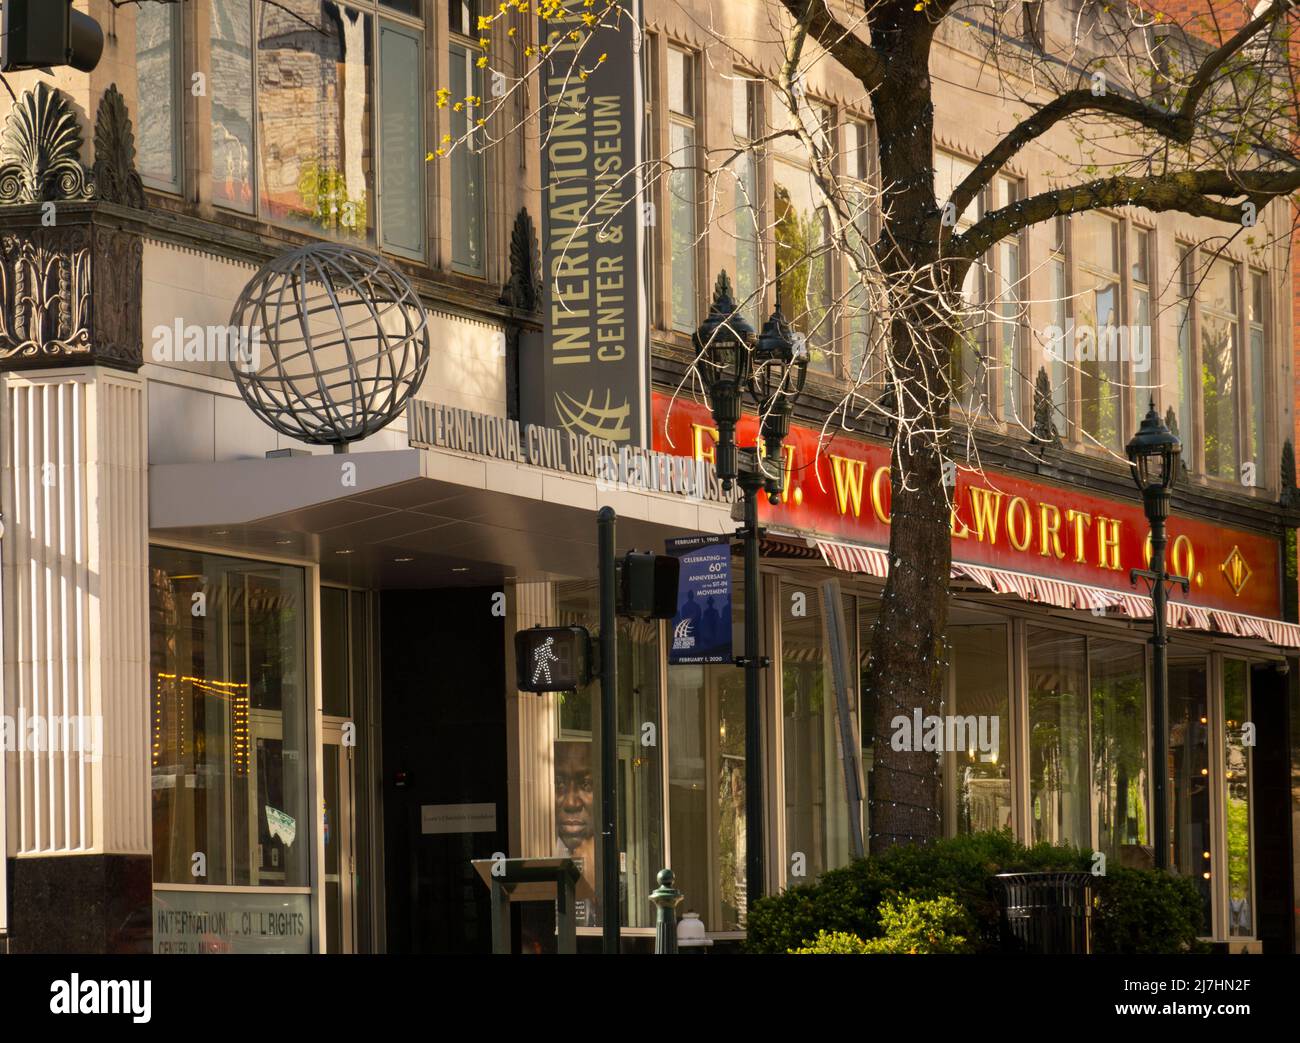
x,y
444,775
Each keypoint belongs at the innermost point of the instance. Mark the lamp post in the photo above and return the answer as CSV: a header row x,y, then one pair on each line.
x,y
1153,453
772,368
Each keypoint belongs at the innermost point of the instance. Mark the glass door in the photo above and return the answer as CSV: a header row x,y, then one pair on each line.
x,y
340,865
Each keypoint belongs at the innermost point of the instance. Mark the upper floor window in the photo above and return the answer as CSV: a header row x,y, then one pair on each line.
x,y
1141,335
1257,345
683,193
865,366
1096,319
468,168
158,97
746,119
1218,308
966,366
803,268
313,118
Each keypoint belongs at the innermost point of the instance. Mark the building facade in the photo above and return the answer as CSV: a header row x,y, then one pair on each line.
x,y
292,670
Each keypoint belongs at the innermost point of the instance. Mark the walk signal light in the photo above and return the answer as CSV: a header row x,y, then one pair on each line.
x,y
552,659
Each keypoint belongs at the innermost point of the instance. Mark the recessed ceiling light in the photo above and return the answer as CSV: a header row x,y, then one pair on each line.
x,y
342,552
283,543
220,532
403,560
460,570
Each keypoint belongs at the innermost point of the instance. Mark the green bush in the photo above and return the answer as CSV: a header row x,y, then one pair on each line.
x,y
833,943
1145,911
849,899
910,926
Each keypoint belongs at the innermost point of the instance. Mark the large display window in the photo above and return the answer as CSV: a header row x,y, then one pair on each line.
x,y
706,783
229,753
639,785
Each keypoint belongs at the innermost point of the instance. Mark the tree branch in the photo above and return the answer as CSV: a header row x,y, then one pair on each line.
x,y
1177,125
1187,191
857,56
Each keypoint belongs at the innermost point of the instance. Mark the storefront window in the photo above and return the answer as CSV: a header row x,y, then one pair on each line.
x,y
1189,774
706,784
817,827
1119,748
577,764
978,777
1236,714
228,752
1058,738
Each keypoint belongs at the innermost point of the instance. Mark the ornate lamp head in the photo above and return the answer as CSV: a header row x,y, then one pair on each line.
x,y
723,344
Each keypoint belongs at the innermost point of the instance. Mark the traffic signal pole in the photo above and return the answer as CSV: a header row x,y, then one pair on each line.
x,y
611,912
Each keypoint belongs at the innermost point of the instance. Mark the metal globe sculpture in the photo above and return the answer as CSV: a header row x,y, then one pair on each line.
x,y
339,342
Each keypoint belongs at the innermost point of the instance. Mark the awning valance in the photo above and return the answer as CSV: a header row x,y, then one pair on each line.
x,y
873,561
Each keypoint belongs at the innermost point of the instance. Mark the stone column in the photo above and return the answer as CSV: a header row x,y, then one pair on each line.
x,y
75,555
75,819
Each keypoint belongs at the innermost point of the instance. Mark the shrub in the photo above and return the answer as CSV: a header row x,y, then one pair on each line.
x,y
833,943
1146,911
849,900
911,925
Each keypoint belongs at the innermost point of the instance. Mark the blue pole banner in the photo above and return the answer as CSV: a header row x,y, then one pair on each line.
x,y
701,627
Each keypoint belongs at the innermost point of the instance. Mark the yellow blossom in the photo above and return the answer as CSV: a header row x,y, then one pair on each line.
x,y
459,107
443,95
575,35
484,21
589,19
482,62
479,122
442,151
428,157
511,32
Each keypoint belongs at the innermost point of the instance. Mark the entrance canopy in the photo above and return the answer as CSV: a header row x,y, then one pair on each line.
x,y
414,517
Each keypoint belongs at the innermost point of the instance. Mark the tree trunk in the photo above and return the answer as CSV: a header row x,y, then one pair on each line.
x,y
907,668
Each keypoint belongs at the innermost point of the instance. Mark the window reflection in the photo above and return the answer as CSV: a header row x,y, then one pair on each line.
x,y
229,721
979,780
1119,748
1189,775
1058,738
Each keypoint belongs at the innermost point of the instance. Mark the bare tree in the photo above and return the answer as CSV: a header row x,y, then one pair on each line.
x,y
1198,117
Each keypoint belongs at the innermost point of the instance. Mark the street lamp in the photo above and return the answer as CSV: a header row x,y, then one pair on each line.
x,y
780,369
772,367
1153,453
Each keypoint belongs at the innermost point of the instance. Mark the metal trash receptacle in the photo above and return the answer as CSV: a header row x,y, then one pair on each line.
x,y
1046,913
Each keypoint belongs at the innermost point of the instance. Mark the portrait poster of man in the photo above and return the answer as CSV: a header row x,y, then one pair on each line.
x,y
575,817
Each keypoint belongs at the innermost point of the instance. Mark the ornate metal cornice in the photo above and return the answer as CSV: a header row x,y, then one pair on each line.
x,y
40,150
116,178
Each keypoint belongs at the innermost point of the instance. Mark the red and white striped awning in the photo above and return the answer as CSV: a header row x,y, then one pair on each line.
x,y
854,557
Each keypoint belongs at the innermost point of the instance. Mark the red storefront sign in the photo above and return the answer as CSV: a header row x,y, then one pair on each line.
x,y
999,520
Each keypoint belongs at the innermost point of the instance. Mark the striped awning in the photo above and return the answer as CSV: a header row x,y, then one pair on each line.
x,y
873,561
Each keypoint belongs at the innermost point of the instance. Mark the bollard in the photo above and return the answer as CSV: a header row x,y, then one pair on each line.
x,y
666,900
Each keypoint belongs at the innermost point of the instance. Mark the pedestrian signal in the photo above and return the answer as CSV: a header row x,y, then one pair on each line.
x,y
552,659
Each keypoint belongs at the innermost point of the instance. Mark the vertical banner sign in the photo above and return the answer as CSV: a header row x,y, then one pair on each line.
x,y
701,628
595,368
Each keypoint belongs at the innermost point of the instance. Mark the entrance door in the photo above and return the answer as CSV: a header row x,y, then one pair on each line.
x,y
340,873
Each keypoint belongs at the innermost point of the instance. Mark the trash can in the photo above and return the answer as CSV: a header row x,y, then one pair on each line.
x,y
1046,913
